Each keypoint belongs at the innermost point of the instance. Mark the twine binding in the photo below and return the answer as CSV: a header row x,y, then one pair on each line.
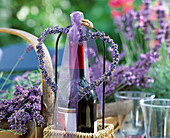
x,y
87,23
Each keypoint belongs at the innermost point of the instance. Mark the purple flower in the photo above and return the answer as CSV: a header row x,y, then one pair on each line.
x,y
132,76
167,35
29,48
119,23
161,33
25,85
128,20
18,78
19,118
143,20
21,78
21,58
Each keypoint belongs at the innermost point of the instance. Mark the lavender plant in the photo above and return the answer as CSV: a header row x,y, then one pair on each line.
x,y
24,107
128,77
141,30
144,40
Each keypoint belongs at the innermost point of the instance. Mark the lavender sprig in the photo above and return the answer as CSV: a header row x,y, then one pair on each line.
x,y
29,48
160,11
128,20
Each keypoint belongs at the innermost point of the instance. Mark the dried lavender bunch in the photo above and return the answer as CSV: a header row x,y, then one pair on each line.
x,y
24,107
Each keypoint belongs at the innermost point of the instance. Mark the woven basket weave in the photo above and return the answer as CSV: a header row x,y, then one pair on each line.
x,y
108,132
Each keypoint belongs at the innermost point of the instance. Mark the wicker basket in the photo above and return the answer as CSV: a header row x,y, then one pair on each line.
x,y
108,132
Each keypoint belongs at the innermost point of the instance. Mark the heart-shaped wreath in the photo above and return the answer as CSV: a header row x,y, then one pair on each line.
x,y
88,36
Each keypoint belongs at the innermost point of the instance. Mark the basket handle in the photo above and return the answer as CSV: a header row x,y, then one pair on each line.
x,y
48,95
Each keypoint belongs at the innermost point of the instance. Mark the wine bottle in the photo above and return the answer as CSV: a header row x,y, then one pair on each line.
x,y
81,116
73,114
86,121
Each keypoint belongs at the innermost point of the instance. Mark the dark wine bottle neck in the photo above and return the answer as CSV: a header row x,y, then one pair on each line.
x,y
81,73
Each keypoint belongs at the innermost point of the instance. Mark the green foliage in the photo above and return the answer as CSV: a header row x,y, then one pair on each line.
x,y
161,75
35,16
27,80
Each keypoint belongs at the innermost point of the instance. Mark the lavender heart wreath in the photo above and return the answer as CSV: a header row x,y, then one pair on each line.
x,y
88,36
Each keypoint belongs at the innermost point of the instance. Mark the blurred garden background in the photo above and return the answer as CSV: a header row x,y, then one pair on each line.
x,y
137,70
35,16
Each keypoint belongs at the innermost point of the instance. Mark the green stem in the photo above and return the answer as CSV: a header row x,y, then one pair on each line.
x,y
134,49
8,81
164,54
127,57
24,104
141,40
11,72
40,86
121,87
10,131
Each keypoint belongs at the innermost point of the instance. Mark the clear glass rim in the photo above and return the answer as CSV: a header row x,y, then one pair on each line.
x,y
150,95
143,103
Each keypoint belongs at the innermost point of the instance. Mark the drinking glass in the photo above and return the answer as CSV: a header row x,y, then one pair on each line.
x,y
130,114
156,114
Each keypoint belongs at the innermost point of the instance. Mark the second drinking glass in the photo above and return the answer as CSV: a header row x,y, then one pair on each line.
x,y
130,114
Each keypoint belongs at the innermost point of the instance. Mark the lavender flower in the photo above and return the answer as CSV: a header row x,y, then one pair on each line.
x,y
29,48
167,35
143,20
128,20
160,10
147,8
18,120
125,77
119,24
21,58
136,75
